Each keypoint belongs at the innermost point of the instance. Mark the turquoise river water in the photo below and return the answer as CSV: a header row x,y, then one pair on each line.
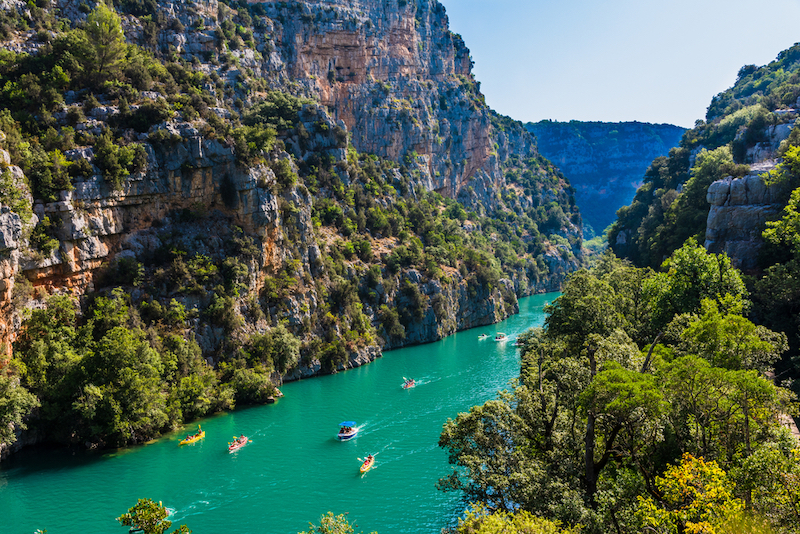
x,y
295,469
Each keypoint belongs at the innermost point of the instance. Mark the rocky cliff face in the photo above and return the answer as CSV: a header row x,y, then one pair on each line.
x,y
391,70
604,161
739,211
741,207
259,187
195,190
390,79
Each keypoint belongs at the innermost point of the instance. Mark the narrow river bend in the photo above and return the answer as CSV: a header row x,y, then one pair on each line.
x,y
295,469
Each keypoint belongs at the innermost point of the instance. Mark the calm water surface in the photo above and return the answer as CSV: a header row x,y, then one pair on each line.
x,y
295,469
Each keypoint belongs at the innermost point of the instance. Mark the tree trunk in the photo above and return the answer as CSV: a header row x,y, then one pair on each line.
x,y
590,474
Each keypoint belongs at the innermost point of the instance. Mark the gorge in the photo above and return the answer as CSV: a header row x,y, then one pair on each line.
x,y
255,192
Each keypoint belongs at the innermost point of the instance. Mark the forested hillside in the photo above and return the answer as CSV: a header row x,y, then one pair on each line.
x,y
641,406
196,204
658,395
730,185
750,124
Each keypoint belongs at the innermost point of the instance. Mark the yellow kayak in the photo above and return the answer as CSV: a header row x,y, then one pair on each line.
x,y
194,437
368,463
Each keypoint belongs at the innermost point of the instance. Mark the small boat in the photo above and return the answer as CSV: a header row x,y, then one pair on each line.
x,y
191,438
237,444
519,343
409,383
347,430
483,336
368,463
501,337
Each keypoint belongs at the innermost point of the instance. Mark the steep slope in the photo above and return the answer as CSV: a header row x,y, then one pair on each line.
x,y
751,124
258,192
732,185
604,161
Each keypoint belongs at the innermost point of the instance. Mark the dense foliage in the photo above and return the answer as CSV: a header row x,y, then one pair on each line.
x,y
207,316
331,524
148,517
642,405
671,205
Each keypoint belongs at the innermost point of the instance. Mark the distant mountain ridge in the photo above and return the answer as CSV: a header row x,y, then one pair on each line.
x,y
604,161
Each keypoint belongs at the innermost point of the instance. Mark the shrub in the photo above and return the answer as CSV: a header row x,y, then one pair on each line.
x,y
13,195
390,320
43,236
150,113
118,161
284,174
222,312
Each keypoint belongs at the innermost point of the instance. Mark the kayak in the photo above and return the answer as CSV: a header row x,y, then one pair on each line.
x,y
368,463
483,336
237,444
193,437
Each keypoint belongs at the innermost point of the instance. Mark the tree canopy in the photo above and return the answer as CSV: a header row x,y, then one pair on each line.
x,y
604,427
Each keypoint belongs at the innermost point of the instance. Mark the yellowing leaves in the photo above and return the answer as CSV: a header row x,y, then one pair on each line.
x,y
696,497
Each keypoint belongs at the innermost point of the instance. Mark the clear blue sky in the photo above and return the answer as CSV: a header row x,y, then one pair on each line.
x,y
619,60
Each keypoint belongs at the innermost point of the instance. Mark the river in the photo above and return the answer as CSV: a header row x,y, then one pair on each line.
x,y
295,469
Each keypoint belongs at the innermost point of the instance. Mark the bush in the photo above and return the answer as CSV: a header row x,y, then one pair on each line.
x,y
43,236
117,161
150,113
13,195
332,355
284,174
222,312
390,320
251,386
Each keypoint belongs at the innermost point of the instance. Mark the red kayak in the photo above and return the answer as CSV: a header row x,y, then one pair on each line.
x,y
237,444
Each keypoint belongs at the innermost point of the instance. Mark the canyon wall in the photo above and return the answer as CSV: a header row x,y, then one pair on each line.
x,y
604,161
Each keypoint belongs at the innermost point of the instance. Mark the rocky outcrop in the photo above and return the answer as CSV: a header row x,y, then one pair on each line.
x,y
604,161
11,244
741,207
391,71
198,178
739,211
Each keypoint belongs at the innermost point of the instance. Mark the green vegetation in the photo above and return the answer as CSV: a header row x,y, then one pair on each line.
x,y
15,403
671,206
122,375
331,524
479,520
642,405
149,518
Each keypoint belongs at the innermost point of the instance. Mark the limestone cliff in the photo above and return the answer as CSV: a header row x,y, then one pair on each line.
x,y
323,172
391,74
604,161
391,70
739,211
740,207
